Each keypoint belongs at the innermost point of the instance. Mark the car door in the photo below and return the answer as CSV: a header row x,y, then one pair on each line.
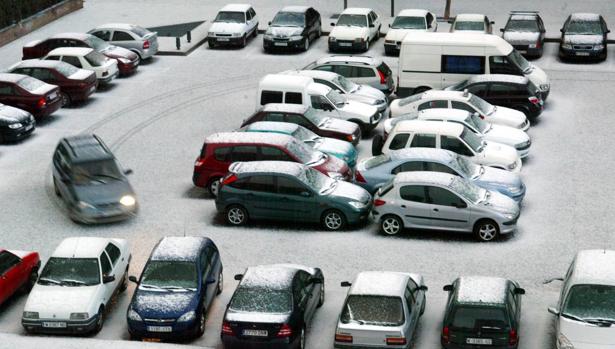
x,y
295,200
72,60
12,275
261,197
9,96
118,262
479,89
308,299
122,38
45,75
302,121
412,310
374,25
448,210
414,207
323,105
62,172
501,94
208,272
107,270
252,21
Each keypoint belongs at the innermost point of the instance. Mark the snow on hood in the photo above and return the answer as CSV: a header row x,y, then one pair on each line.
x,y
226,28
507,116
368,91
502,203
10,114
284,32
163,303
499,153
337,125
349,33
495,176
61,300
399,34
587,336
350,191
103,193
506,135
359,108
521,37
574,39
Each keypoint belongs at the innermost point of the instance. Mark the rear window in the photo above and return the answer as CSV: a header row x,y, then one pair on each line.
x,y
261,300
139,30
471,317
373,310
30,84
66,69
384,69
95,59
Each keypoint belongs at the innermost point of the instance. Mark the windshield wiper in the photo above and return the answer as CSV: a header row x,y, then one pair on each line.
x,y
73,282
52,281
154,287
107,176
178,288
573,317
599,321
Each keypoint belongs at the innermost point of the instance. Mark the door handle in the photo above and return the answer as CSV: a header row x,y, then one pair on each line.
x,y
403,206
435,209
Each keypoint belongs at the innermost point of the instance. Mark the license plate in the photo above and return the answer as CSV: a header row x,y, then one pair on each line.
x,y
223,39
280,43
255,333
522,51
582,53
54,324
346,44
159,328
479,341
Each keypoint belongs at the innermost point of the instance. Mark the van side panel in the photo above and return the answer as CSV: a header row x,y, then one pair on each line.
x,y
419,67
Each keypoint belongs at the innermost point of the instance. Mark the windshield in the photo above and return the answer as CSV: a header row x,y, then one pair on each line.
x,y
468,190
345,84
305,135
408,23
317,181
373,310
591,302
352,20
476,318
411,99
578,27
70,272
518,60
97,43
312,115
95,59
482,105
336,98
230,17
481,125
466,166
522,25
470,25
30,84
261,300
169,275
304,153
96,172
288,19
376,161
474,141
139,30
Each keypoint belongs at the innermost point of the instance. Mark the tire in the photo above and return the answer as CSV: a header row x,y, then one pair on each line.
x,y
366,45
244,41
302,338
391,225
486,230
306,44
333,220
213,187
200,330
56,190
101,320
211,43
321,300
236,215
220,285
65,99
138,54
377,144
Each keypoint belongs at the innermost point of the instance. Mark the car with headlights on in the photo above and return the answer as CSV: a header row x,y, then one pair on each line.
x,y
471,23
15,124
584,36
374,172
86,58
446,202
287,191
132,37
233,25
32,95
176,290
293,27
18,272
77,285
272,307
382,310
91,182
525,31
405,23
354,29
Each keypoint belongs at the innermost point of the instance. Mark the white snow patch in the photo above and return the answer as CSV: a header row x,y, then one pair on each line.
x,y
379,283
177,248
164,302
481,289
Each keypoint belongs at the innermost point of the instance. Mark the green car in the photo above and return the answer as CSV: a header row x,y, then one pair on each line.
x,y
283,190
482,312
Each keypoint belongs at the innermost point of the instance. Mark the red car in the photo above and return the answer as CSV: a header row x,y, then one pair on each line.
x,y
76,85
18,271
127,61
30,94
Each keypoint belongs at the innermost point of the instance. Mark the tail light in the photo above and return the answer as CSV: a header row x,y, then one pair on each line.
x,y
199,162
359,177
229,179
538,44
42,102
513,338
379,202
227,329
285,331
344,338
396,340
446,335
534,100
350,138
146,44
383,79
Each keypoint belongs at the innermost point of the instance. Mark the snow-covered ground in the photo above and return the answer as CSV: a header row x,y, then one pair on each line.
x,y
156,121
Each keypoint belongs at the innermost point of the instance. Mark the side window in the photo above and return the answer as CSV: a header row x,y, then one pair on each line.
x,y
438,167
399,141
325,67
288,186
364,72
442,197
329,84
113,252
370,19
261,183
298,119
72,61
423,140
252,12
321,103
463,64
433,104
53,58
462,106
207,261
203,262
273,153
414,193
346,71
273,117
7,261
122,36
408,167
409,298
105,265
293,98
43,74
6,90
244,153
501,65
455,145
102,34
479,89
248,15
222,154
412,286
271,97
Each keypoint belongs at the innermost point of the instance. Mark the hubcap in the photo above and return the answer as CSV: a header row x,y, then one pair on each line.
x,y
214,186
390,226
202,322
236,216
487,232
220,282
333,221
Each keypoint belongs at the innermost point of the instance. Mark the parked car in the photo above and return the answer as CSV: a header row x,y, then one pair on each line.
x,y
127,61
233,25
222,149
18,272
288,296
77,285
76,85
177,287
91,182
473,23
30,94
281,190
374,172
584,35
293,27
496,115
512,91
15,124
363,70
441,201
86,58
382,310
354,30
584,311
308,117
129,36
334,147
482,312
405,23
525,31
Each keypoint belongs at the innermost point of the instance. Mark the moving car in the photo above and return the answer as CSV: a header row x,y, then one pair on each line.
x,y
354,30
177,287
441,201
91,182
129,36
86,58
473,23
525,31
76,85
15,124
18,272
382,310
77,286
406,22
233,25
30,94
282,190
293,27
482,312
584,35
287,297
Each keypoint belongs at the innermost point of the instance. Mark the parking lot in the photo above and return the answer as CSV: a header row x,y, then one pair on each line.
x,y
156,120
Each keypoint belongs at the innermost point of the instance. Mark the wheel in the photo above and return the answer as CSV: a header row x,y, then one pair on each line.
x,y
211,43
333,220
100,321
302,339
486,230
56,189
391,225
65,99
244,41
31,281
367,45
321,300
220,283
306,44
201,329
236,215
255,32
214,186
377,144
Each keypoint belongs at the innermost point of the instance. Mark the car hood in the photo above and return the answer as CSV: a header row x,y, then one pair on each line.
x,y
10,115
575,39
399,34
497,153
502,203
59,301
507,135
337,125
332,165
240,316
584,336
493,177
368,91
119,52
508,116
358,108
284,32
350,191
226,28
349,33
521,37
154,304
111,192
335,146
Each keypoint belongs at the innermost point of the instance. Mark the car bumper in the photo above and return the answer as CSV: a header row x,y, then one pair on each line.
x,y
470,346
180,331
107,79
48,109
127,68
68,326
523,153
150,52
391,49
14,135
582,54
509,227
103,216
283,44
275,343
528,51
346,45
358,216
359,346
225,40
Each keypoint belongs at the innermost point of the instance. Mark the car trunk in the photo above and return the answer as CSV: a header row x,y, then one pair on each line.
x,y
152,38
370,335
255,331
480,327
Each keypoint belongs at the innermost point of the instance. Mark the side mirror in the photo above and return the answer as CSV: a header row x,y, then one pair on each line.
x,y
608,31
492,22
132,278
345,284
460,204
553,311
372,25
269,23
306,194
447,288
238,277
561,30
389,25
519,290
210,281
315,280
108,278
502,30
423,288
128,172
333,24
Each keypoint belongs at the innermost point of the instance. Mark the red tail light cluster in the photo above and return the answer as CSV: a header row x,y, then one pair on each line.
x,y
379,202
41,102
513,337
446,338
344,338
383,79
359,177
285,331
227,329
534,100
396,340
229,179
146,44
538,44
199,162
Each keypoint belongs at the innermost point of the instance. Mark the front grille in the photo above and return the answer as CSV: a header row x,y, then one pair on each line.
x,y
108,205
160,321
582,47
280,39
224,35
345,41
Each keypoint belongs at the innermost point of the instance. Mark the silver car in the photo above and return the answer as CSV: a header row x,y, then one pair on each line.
x,y
382,310
441,201
132,37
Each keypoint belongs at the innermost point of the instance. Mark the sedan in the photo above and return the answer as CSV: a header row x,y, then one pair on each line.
x,y
472,23
294,27
408,22
584,36
15,124
525,31
129,36
18,272
32,95
272,307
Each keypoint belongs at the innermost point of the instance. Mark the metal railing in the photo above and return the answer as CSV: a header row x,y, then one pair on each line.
x,y
13,11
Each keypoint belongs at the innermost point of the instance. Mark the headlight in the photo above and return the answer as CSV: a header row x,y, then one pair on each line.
x,y
124,60
351,138
236,34
332,39
512,166
296,37
30,315
133,315
128,200
189,316
598,47
335,175
359,40
567,46
563,342
545,87
268,37
357,204
83,205
79,316
509,216
15,125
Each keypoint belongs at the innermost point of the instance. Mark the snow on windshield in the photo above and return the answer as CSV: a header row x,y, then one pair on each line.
x,y
408,23
352,20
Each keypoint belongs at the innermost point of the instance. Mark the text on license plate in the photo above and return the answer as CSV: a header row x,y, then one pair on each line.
x,y
582,53
345,44
280,44
54,324
223,39
480,341
159,328
255,333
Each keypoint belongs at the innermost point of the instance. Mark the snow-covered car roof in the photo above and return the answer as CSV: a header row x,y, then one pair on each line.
x,y
523,16
318,74
441,155
70,51
423,126
253,137
366,60
82,247
285,82
273,276
273,126
515,79
457,39
481,289
469,17
10,77
37,63
380,283
444,114
285,108
440,94
236,7
594,267
77,36
412,13
356,11
179,248
283,167
299,9
581,16
124,26
425,177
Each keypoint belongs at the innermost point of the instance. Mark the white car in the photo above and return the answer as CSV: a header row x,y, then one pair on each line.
x,y
472,23
233,25
489,132
354,30
460,100
408,21
86,58
76,286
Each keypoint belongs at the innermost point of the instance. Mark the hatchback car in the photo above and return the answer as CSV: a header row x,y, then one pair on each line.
x,y
15,124
177,287
584,35
129,36
32,95
382,310
525,31
482,312
472,23
233,25
91,182
355,29
76,85
406,22
77,286
282,190
86,58
18,272
441,201
272,307
293,27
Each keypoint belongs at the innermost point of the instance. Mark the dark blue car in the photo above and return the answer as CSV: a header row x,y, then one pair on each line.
x,y
176,289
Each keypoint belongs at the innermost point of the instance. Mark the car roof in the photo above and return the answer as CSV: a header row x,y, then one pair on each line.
x,y
424,177
357,59
379,283
285,81
470,17
285,108
314,74
71,51
583,16
514,79
356,11
481,289
280,167
415,153
413,13
236,7
594,267
294,8
83,148
124,26
179,248
273,276
273,126
442,128
70,35
82,247
249,138
10,77
435,94
444,114
458,39
37,63
518,16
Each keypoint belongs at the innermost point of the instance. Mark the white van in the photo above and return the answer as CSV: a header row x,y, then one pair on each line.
x,y
298,89
437,60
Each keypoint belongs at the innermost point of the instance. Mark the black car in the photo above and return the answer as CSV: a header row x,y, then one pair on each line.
x,y
525,31
294,27
482,312
15,124
87,176
584,36
512,91
272,307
